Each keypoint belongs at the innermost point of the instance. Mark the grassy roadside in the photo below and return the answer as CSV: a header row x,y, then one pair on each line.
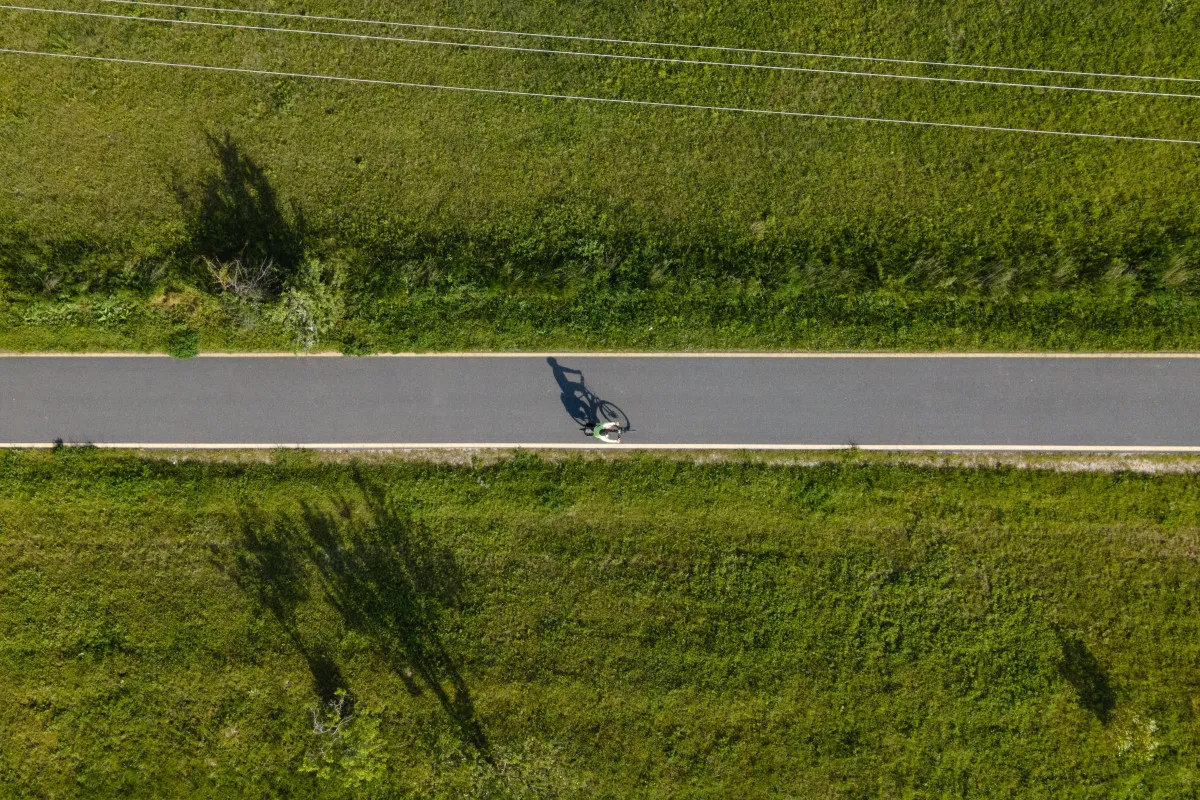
x,y
459,222
460,320
585,627
1139,463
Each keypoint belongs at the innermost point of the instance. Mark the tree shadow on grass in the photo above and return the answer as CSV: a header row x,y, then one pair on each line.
x,y
268,568
1087,676
233,212
381,573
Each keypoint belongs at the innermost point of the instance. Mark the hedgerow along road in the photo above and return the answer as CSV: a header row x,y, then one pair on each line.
x,y
766,401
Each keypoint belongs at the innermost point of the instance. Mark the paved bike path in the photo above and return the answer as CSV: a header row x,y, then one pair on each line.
x,y
1105,403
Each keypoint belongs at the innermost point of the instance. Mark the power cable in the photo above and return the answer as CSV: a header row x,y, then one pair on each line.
x,y
613,100
622,57
490,31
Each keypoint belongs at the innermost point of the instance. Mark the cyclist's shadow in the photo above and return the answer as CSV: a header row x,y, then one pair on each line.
x,y
580,402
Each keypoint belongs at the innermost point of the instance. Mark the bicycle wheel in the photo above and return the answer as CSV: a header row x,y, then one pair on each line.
x,y
607,412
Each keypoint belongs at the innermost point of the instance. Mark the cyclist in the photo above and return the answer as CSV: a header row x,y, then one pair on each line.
x,y
609,432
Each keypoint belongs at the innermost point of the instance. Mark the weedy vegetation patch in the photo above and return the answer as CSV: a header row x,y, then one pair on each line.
x,y
268,212
594,628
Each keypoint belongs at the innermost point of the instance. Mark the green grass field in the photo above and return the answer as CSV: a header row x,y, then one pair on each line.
x,y
594,628
462,220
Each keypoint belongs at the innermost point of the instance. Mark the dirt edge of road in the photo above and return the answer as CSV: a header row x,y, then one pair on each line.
x,y
1055,462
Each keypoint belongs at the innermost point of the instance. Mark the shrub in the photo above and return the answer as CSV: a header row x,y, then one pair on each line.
x,y
183,342
312,303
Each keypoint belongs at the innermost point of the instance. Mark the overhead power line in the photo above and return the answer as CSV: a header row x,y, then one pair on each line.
x,y
638,43
614,56
612,100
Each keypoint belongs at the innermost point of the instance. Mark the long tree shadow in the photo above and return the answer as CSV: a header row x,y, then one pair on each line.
x,y
584,407
384,576
1087,676
233,212
270,570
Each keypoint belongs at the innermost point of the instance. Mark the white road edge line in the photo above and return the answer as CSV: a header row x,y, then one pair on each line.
x,y
623,354
974,448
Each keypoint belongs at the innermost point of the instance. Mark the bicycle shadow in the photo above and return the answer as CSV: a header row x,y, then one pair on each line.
x,y
583,405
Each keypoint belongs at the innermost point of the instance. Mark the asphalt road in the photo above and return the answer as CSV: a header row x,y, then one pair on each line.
x,y
1100,403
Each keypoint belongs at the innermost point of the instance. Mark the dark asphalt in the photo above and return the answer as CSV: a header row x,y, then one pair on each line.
x,y
1105,403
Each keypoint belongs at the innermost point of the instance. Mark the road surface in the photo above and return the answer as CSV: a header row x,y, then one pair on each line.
x,y
814,401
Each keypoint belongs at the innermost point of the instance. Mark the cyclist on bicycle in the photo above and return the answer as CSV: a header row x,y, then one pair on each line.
x,y
608,432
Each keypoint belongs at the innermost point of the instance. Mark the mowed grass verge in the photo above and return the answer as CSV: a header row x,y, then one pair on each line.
x,y
468,221
634,627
